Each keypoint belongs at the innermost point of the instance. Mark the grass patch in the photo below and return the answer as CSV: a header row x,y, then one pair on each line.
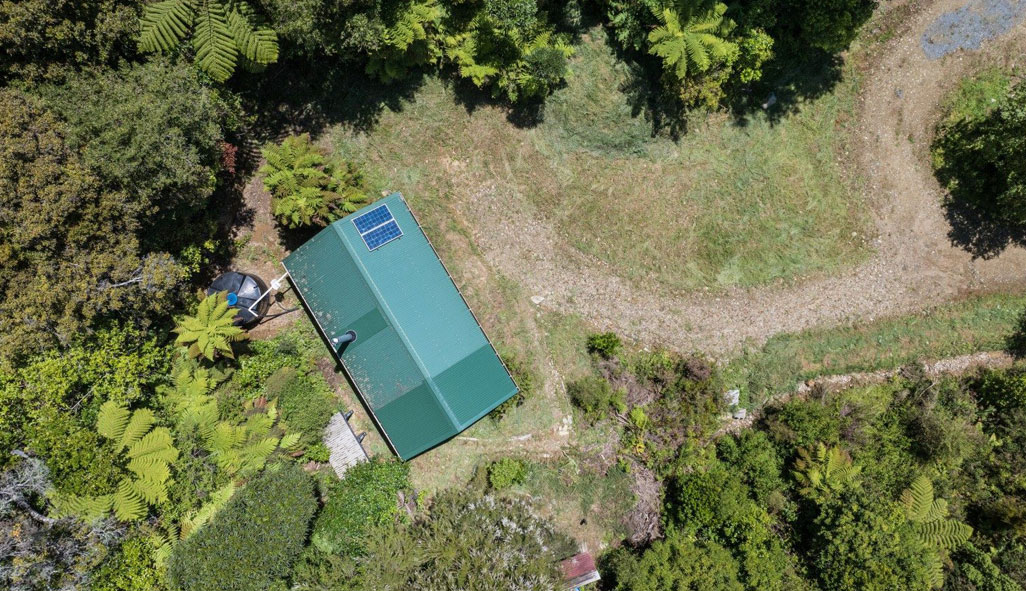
x,y
976,324
728,204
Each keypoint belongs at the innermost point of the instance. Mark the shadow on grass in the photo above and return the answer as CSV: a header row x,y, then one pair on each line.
x,y
978,230
795,76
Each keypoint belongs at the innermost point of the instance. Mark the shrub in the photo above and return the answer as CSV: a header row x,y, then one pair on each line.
x,y
506,472
305,402
678,562
251,543
606,344
522,375
365,497
1002,390
595,396
131,568
471,544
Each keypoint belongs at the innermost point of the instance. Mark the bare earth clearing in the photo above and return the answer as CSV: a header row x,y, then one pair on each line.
x,y
915,264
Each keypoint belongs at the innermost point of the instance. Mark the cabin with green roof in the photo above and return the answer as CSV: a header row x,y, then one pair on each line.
x,y
399,326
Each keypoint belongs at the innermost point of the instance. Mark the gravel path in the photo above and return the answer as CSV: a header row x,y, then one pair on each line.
x,y
915,264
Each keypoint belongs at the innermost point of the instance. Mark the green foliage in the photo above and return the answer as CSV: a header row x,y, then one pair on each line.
x,y
606,344
407,40
678,563
47,39
306,402
1003,391
595,396
519,59
823,473
754,458
154,131
212,330
980,160
506,472
522,374
365,497
224,34
252,543
829,25
130,568
929,517
457,546
861,548
149,451
976,571
692,42
71,255
308,188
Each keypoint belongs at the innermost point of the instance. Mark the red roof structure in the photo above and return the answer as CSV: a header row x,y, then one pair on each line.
x,y
579,570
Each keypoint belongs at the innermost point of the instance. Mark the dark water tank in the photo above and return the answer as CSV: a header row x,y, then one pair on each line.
x,y
243,290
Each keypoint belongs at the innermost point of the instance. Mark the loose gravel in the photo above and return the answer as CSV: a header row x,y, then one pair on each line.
x,y
969,26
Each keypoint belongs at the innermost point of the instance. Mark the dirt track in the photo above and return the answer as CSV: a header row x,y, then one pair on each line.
x,y
915,264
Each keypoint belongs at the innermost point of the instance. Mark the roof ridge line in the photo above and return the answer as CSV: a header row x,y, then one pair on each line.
x,y
391,317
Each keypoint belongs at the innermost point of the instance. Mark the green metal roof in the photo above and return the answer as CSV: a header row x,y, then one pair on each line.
x,y
420,360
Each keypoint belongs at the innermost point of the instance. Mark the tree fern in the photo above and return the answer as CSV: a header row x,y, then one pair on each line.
x,y
212,330
224,33
112,420
691,41
929,516
307,188
128,504
821,472
136,428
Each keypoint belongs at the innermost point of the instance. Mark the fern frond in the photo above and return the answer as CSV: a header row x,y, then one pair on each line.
x,y
215,48
156,444
128,504
112,420
151,491
150,468
254,40
165,24
85,507
218,499
138,425
289,441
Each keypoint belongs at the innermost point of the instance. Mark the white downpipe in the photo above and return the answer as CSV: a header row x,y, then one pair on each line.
x,y
275,286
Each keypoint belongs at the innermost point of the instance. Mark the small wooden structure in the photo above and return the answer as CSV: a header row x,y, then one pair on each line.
x,y
345,446
579,571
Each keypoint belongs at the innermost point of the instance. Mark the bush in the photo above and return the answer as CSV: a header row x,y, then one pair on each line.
x,y
365,497
524,379
252,543
595,396
131,568
506,473
607,344
305,402
676,563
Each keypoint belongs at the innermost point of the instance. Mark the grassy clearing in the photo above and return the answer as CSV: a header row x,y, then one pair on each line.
x,y
728,204
976,324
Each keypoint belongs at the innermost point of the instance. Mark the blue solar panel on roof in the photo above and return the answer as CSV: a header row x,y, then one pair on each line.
x,y
383,234
372,219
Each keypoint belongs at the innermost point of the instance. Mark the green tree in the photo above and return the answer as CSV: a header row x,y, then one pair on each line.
x,y
678,563
71,254
252,542
153,131
224,34
48,39
307,188
212,330
366,496
981,161
830,25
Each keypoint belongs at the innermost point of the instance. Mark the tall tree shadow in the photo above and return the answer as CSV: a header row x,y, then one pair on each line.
x,y
796,75
978,231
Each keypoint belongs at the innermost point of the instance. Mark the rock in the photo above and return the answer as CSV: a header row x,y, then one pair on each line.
x,y
740,414
732,397
537,299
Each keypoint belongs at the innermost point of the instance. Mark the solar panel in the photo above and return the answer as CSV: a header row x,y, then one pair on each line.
x,y
372,219
383,234
377,227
